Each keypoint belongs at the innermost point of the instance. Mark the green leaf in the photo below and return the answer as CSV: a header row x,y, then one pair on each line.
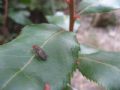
x,y
101,67
94,6
20,17
25,1
1,7
21,70
84,49
62,20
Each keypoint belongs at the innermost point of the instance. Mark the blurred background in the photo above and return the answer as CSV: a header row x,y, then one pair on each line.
x,y
98,30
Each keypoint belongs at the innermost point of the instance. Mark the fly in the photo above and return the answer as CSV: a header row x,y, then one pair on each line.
x,y
40,53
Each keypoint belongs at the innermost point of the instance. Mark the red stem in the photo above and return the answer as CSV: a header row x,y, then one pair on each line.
x,y
72,19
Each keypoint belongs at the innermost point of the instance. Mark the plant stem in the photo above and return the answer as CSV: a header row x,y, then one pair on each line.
x,y
72,20
5,11
5,19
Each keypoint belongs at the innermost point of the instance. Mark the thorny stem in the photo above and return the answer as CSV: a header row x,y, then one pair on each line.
x,y
72,19
73,15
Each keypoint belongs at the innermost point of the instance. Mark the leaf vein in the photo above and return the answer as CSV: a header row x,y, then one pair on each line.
x,y
31,59
107,65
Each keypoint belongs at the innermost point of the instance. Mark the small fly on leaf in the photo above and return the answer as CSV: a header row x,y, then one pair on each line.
x,y
47,86
40,53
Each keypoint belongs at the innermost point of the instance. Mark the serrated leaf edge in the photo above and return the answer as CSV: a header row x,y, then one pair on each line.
x,y
107,65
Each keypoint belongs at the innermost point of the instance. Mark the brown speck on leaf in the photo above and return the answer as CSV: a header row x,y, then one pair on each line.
x,y
40,53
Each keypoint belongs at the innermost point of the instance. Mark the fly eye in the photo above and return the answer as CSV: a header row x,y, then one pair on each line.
x,y
34,46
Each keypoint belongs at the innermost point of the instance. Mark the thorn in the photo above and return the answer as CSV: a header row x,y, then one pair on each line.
x,y
47,86
76,16
68,1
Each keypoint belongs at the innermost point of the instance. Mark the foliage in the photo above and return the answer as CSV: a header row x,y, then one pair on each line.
x,y
62,20
101,67
20,68
20,17
94,6
47,6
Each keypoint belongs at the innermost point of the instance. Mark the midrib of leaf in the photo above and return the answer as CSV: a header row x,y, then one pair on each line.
x,y
30,60
86,8
105,64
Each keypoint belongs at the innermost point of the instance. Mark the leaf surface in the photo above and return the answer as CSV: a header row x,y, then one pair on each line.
x,y
20,69
20,17
95,6
62,20
101,67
